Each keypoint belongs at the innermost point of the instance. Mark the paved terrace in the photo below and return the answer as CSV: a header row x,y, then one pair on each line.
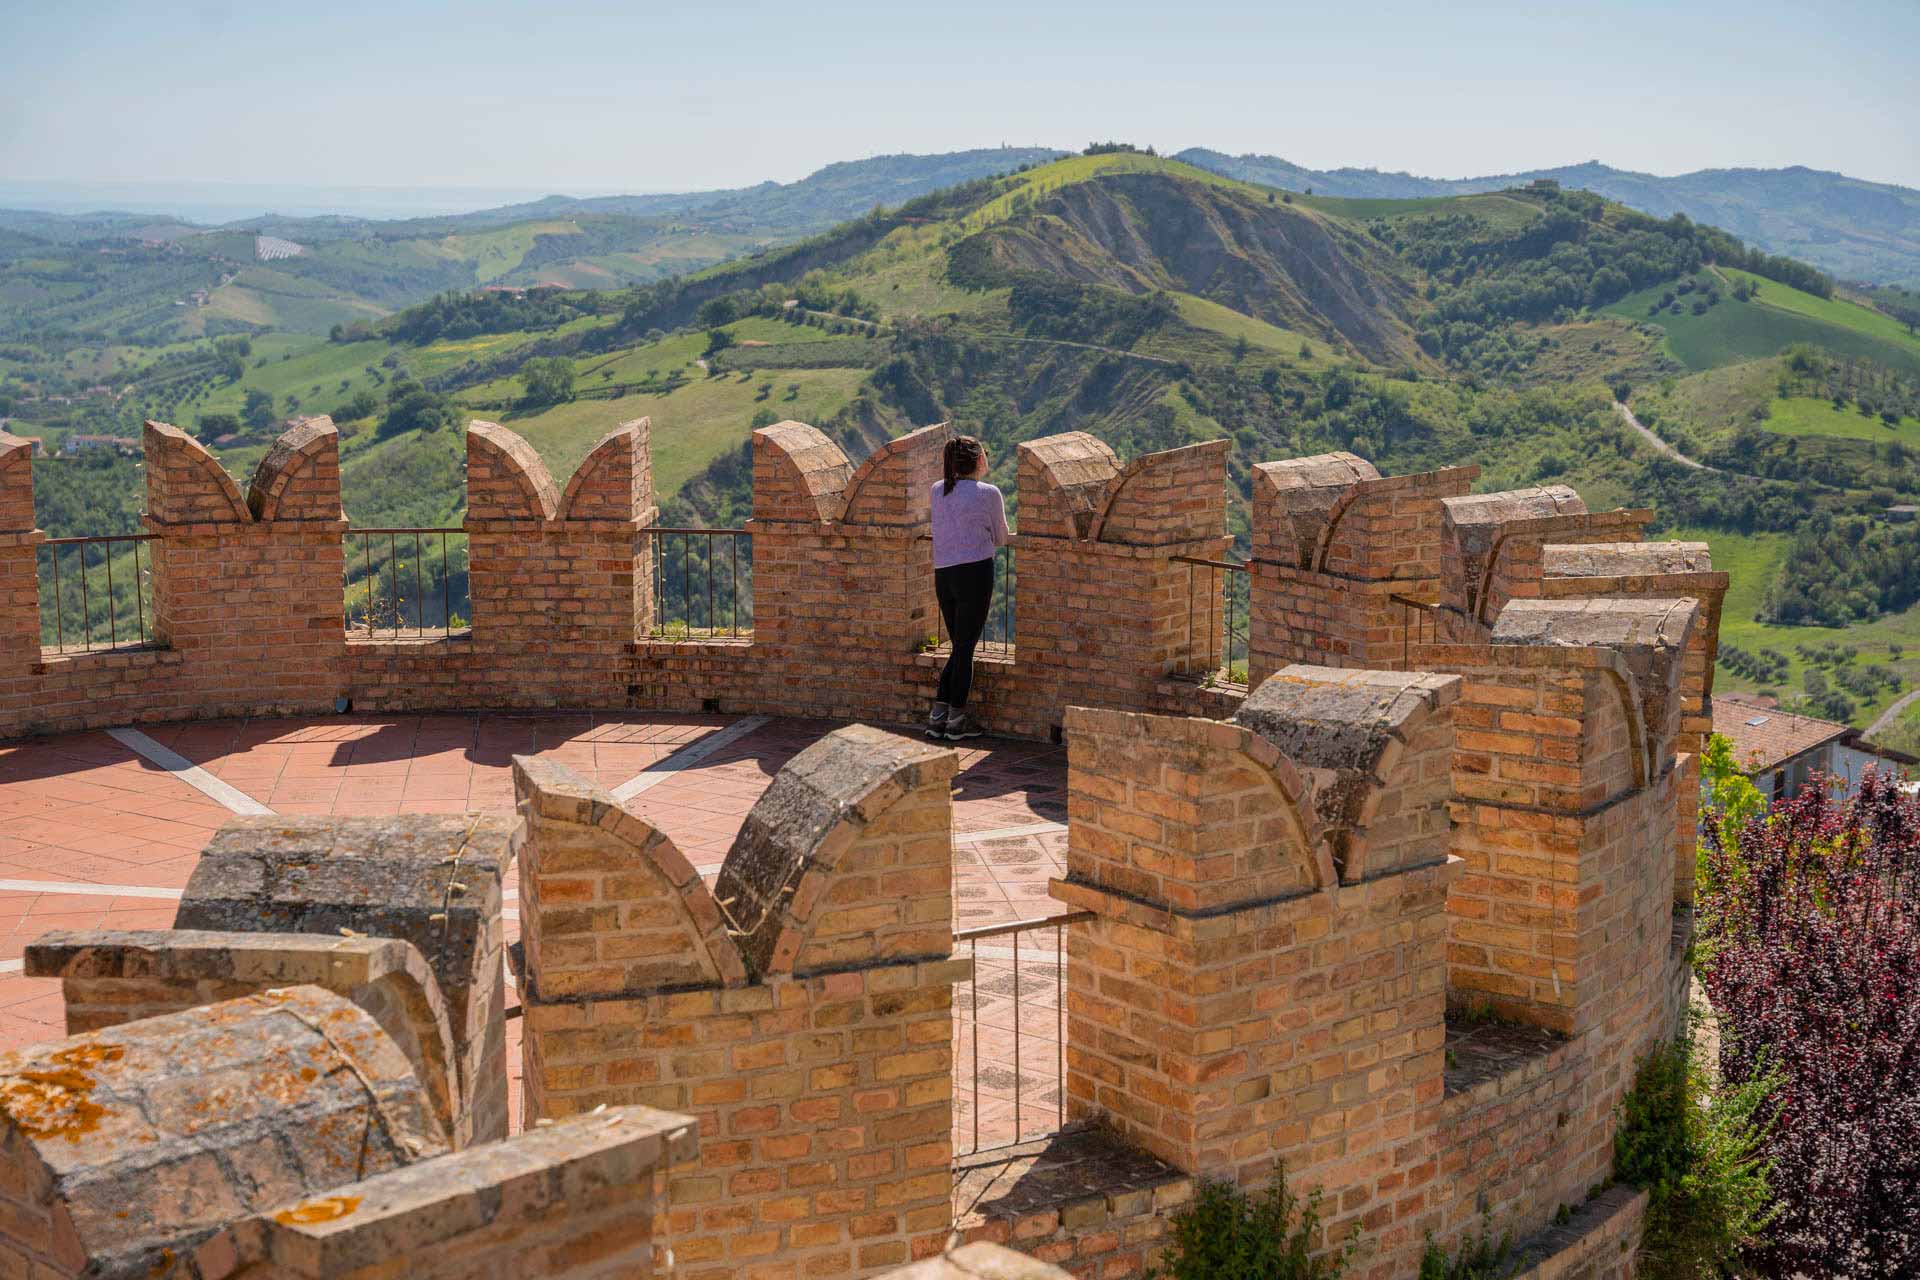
x,y
102,830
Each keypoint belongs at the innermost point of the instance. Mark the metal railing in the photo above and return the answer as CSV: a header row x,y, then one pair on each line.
x,y
1419,624
99,592
1221,653
1017,1083
407,582
681,608
998,637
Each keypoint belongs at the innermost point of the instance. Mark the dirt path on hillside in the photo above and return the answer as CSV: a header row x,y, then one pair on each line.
x,y
1659,445
1892,713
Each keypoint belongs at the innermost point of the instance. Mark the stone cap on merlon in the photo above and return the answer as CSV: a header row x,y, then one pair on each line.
x,y
431,879
1623,559
1347,731
777,899
329,961
434,1203
804,821
209,959
150,1137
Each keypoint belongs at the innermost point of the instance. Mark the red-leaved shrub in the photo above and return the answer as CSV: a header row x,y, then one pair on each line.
x,y
1810,922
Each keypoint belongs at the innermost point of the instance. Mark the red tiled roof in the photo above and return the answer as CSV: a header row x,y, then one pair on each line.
x,y
1764,737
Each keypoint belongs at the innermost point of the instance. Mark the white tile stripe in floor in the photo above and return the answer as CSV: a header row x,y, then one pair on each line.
x,y
691,754
221,793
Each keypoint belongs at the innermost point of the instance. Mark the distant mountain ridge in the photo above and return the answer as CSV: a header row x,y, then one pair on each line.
x,y
1851,228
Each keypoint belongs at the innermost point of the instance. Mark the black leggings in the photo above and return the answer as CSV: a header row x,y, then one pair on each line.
x,y
965,593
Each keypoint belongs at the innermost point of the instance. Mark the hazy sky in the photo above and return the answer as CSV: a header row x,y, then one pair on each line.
x,y
571,96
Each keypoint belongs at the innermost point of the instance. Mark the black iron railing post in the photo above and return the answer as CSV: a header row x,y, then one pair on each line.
x,y
973,937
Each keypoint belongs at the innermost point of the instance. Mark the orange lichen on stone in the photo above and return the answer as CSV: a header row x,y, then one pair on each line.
x,y
324,1209
90,1054
51,1104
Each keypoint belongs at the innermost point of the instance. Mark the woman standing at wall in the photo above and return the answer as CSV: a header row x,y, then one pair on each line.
x,y
969,524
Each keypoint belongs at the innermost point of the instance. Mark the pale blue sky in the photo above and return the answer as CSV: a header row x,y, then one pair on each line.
x,y
573,96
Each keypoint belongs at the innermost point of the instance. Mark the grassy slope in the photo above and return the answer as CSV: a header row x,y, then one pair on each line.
x,y
1732,331
693,424
1753,561
495,253
1804,416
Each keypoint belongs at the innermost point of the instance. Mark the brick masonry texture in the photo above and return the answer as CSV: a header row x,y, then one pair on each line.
x,y
1463,783
801,1011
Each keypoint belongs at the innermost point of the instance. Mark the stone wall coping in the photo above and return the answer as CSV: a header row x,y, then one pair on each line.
x,y
761,994
436,1201
283,959
1612,622
1215,923
1082,1176
725,645
362,643
1706,583
1608,559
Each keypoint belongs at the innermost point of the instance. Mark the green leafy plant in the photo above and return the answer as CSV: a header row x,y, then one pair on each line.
x,y
1696,1150
1481,1256
1226,1233
1732,801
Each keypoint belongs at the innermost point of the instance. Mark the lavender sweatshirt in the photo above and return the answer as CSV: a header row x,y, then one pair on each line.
x,y
967,523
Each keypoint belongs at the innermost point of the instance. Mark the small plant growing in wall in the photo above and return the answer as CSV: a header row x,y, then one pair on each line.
x,y
1697,1152
1228,1233
1481,1256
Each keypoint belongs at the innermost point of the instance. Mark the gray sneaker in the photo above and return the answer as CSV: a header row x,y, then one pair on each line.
x,y
937,720
961,725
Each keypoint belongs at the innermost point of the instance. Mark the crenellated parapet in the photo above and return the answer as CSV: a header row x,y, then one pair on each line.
x,y
1663,570
1406,931
247,588
1334,542
800,1010
1109,608
1241,997
1494,545
843,571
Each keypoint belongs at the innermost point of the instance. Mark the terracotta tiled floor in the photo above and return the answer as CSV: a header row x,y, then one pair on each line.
x,y
114,838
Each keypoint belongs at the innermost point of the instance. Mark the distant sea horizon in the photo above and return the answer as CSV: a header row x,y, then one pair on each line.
x,y
217,203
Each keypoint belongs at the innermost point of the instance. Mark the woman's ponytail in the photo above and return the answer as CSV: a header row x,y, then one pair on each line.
x,y
960,458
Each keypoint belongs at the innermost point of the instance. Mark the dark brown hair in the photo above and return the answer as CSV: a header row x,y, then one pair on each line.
x,y
961,457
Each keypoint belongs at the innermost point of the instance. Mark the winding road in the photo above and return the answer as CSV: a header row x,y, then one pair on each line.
x,y
1886,718
1659,445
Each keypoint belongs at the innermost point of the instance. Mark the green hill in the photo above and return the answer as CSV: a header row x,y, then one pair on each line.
x,y
1705,325
1854,229
1151,303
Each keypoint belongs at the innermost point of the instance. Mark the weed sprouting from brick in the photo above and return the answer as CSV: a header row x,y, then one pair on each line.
x,y
1482,1256
1697,1150
1228,1233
